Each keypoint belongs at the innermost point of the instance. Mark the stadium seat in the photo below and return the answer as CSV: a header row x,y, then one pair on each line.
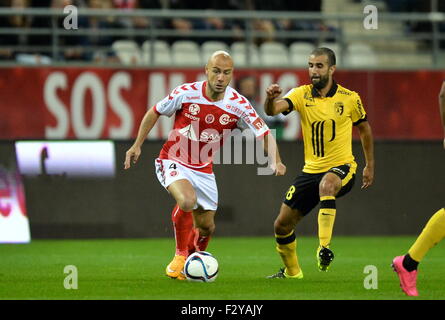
x,y
162,55
208,47
238,51
186,53
35,59
127,51
360,55
299,53
274,54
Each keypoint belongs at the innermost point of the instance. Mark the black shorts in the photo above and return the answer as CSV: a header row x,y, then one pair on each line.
x,y
304,195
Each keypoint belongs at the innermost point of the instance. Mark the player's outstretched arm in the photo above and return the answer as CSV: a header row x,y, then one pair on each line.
x,y
147,124
272,105
442,109
271,148
368,149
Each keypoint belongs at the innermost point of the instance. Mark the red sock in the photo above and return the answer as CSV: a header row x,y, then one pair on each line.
x,y
193,238
197,242
203,242
182,224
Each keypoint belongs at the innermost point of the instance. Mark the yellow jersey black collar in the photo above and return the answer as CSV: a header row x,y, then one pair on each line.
x,y
330,93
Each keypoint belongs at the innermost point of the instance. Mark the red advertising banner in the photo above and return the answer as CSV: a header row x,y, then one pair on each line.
x,y
102,103
14,223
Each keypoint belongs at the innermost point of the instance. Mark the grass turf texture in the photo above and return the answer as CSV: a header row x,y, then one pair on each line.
x,y
134,269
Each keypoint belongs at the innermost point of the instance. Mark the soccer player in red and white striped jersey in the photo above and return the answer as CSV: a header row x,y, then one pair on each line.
x,y
205,113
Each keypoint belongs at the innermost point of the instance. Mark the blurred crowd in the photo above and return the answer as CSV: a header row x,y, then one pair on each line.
x,y
414,6
77,46
422,6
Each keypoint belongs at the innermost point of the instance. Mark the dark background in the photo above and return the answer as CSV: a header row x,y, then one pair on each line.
x,y
408,189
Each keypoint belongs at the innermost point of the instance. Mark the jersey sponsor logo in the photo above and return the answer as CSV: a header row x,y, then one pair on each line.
x,y
209,118
225,119
234,109
258,123
344,92
246,118
339,108
309,105
207,135
191,117
194,109
210,136
338,171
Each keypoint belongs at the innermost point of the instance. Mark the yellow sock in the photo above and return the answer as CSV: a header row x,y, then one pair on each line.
x,y
287,248
433,232
326,218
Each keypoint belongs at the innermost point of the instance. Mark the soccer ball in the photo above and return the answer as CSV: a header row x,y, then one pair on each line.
x,y
201,266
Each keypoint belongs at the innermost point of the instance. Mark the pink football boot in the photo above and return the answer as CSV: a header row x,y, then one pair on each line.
x,y
407,279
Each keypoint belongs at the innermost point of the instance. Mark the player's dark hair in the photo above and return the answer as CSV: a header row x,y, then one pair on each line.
x,y
328,52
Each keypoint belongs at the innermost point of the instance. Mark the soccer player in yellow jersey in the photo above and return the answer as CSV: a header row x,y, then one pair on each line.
x,y
328,112
433,232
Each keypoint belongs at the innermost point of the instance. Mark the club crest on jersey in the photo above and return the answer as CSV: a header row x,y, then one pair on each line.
x,y
194,109
307,96
339,108
173,173
209,118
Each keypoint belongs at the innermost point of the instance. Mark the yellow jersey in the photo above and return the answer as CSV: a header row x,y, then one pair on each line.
x,y
326,124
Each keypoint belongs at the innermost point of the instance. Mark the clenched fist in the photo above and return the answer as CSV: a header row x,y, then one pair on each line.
x,y
273,91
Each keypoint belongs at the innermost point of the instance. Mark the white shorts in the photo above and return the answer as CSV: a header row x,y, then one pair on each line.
x,y
169,171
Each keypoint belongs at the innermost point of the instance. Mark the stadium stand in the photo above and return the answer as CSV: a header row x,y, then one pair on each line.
x,y
127,51
415,38
360,55
162,55
186,53
274,54
239,53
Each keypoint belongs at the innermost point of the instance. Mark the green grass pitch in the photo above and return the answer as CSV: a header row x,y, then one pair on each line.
x,y
134,269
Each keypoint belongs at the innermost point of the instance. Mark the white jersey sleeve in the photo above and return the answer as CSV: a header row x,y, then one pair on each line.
x,y
253,121
170,104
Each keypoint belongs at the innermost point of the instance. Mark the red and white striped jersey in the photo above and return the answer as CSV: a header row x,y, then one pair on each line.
x,y
201,124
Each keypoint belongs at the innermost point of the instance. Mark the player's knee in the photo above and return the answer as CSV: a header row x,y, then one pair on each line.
x,y
187,203
281,228
327,188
